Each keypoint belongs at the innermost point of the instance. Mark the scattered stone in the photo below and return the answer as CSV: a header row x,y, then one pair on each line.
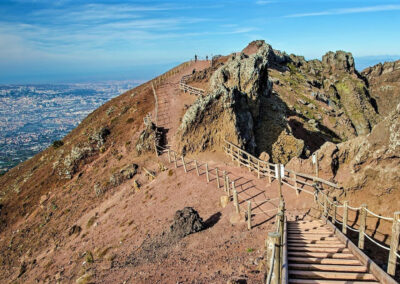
x,y
129,171
302,102
264,156
237,218
236,281
224,201
75,229
43,199
85,278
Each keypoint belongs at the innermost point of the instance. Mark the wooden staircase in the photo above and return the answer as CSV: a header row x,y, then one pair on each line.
x,y
316,255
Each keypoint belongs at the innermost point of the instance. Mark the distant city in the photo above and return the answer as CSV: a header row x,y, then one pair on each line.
x,y
33,116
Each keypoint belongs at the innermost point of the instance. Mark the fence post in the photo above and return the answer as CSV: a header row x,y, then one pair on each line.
x,y
249,215
248,162
224,177
363,219
334,212
217,174
184,165
235,198
175,161
394,243
273,252
197,167
345,212
326,206
228,188
279,180
238,158
207,174
258,169
169,155
269,173
295,184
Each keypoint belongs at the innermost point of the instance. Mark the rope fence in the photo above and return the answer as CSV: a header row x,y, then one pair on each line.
x,y
187,88
264,169
363,213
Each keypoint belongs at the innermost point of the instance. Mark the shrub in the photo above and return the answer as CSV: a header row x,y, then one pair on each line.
x,y
57,144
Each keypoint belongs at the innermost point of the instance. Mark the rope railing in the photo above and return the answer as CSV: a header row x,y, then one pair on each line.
x,y
187,88
362,230
291,179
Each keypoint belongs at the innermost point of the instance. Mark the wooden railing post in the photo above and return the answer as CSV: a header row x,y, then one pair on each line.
x,y
248,162
184,165
249,215
394,244
363,220
269,174
228,187
235,198
175,161
258,169
334,212
169,155
207,174
279,180
224,177
273,252
295,184
217,174
326,206
197,167
345,212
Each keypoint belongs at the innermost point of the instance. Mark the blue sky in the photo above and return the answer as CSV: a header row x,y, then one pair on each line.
x,y
62,41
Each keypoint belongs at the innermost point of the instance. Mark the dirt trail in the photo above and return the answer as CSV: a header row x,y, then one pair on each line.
x,y
264,196
172,101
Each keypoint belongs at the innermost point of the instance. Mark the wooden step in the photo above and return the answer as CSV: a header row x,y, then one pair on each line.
x,y
300,241
321,254
328,267
316,232
322,234
330,275
311,237
317,249
316,281
290,230
308,227
324,260
294,244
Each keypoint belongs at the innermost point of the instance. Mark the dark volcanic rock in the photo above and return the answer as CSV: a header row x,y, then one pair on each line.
x,y
186,222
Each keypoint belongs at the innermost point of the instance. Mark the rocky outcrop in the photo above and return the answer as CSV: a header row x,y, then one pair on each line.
x,y
369,161
384,85
148,138
232,106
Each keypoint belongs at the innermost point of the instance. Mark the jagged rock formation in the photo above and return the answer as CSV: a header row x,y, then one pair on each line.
x,y
365,162
267,101
384,85
235,107
231,107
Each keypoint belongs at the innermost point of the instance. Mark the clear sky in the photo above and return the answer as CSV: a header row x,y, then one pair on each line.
x,y
63,41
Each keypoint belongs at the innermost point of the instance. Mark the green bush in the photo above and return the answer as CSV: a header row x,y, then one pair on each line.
x,y
57,144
